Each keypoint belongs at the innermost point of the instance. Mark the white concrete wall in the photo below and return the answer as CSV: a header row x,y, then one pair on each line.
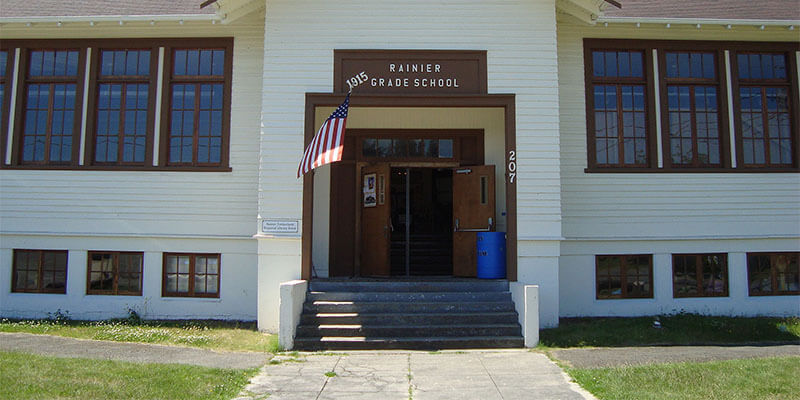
x,y
664,213
520,40
154,212
237,300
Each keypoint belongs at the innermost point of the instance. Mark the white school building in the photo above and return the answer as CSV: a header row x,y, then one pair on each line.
x,y
642,157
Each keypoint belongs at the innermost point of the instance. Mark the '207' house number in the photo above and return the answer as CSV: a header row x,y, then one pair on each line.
x,y
512,166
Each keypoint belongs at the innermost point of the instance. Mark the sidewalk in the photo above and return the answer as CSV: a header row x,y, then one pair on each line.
x,y
480,375
134,352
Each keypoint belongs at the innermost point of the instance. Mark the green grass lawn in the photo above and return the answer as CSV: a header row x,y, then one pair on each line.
x,y
216,335
768,378
27,376
679,329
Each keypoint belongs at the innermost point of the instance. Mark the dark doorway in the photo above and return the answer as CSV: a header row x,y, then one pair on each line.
x,y
422,221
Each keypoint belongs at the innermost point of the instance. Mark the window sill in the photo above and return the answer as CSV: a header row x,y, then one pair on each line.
x,y
115,168
191,298
614,170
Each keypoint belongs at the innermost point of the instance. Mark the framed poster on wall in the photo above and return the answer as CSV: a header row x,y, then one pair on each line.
x,y
369,190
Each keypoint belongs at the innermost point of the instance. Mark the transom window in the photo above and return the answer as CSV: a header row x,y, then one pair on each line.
x,y
191,275
699,275
624,276
115,273
411,148
773,273
40,271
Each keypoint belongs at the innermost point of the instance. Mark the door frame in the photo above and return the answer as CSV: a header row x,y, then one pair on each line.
x,y
505,101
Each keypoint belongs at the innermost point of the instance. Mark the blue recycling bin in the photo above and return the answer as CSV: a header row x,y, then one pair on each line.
x,y
491,248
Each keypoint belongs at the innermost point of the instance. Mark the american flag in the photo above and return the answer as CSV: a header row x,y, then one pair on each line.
x,y
327,145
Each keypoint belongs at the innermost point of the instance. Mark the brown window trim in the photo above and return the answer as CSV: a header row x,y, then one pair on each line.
x,y
699,275
171,79
773,274
689,45
39,288
623,274
722,107
647,80
100,44
190,293
115,289
790,83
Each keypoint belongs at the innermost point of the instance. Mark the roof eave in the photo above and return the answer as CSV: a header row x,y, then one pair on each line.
x,y
696,21
111,18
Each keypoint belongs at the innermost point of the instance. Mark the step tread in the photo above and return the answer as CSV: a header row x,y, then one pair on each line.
x,y
368,315
402,339
359,326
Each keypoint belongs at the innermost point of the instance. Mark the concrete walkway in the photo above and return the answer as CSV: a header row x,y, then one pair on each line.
x,y
625,356
134,352
480,375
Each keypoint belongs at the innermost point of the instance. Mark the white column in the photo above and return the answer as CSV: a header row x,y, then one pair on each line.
x,y
159,92
12,108
657,95
85,113
731,124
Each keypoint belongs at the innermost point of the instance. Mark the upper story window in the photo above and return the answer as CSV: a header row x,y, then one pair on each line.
x,y
197,112
765,111
683,99
138,115
123,125
692,109
618,127
49,132
5,73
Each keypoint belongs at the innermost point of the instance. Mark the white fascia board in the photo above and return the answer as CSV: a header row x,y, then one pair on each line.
x,y
585,10
231,10
695,21
111,18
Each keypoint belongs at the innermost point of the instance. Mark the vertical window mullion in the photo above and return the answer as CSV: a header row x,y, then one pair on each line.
x,y
123,93
196,121
191,274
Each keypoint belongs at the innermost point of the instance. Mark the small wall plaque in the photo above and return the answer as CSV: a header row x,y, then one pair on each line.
x,y
280,226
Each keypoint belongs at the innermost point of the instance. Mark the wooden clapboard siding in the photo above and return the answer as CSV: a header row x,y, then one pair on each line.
x,y
197,204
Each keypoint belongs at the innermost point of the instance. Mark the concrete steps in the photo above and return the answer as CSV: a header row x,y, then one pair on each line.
x,y
420,314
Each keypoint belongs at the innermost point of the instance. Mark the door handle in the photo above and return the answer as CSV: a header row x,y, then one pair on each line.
x,y
456,228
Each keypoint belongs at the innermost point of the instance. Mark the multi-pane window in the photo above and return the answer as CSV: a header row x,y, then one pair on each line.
x,y
122,126
624,276
40,271
126,95
692,109
619,113
191,275
773,273
115,273
197,107
50,107
699,275
765,112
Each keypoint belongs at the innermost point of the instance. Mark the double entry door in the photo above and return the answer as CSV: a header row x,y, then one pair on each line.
x,y
472,209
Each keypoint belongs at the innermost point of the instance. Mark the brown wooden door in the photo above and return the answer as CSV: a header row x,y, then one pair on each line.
x,y
473,211
376,220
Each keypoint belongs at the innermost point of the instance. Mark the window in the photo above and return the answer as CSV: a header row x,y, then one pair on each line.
x,y
664,105
699,275
618,128
624,276
764,108
122,125
197,107
191,275
115,273
407,148
121,85
40,271
5,73
772,274
51,107
692,110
